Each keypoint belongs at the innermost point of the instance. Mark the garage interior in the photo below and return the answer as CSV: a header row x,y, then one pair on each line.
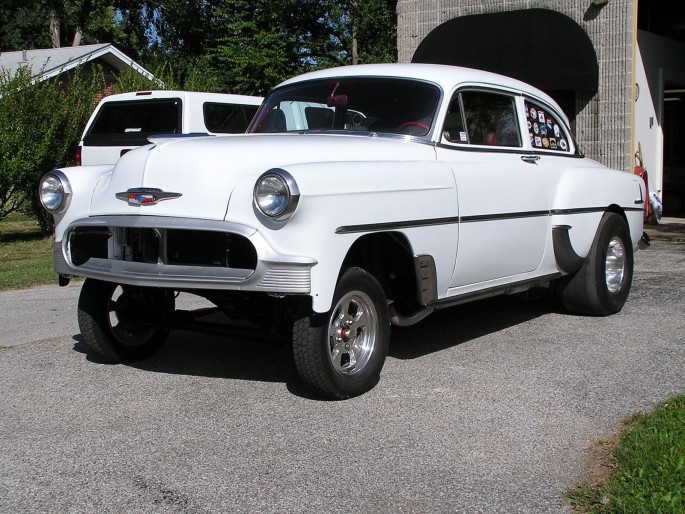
x,y
667,20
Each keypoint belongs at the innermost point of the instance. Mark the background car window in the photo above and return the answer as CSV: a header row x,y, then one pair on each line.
x,y
490,119
224,118
130,123
544,129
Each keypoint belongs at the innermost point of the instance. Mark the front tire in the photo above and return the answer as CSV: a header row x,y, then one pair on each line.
x,y
602,284
340,354
122,323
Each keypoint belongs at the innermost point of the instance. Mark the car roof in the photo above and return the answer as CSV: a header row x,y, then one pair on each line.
x,y
164,93
445,76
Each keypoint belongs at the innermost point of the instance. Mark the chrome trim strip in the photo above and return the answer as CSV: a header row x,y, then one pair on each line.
x,y
394,225
586,210
372,227
504,216
490,292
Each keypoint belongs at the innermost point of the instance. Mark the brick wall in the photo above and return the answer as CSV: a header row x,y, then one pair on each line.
x,y
603,123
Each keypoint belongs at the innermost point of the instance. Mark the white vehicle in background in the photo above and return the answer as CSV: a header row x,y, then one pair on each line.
x,y
122,122
361,197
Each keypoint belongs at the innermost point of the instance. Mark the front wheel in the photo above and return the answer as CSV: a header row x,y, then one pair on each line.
x,y
602,284
340,354
123,323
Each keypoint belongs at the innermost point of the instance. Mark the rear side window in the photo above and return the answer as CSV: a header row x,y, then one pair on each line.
x,y
130,123
228,118
544,129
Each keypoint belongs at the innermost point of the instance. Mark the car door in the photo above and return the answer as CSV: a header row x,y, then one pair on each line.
x,y
503,204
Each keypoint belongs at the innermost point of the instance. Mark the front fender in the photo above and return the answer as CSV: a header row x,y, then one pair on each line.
x,y
341,201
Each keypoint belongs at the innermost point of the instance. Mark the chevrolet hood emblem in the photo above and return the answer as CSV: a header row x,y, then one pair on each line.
x,y
145,196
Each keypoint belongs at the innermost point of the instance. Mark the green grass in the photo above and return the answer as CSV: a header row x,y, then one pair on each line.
x,y
648,473
25,255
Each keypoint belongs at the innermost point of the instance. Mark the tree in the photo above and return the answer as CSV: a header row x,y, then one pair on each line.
x,y
265,42
21,26
56,23
219,45
375,22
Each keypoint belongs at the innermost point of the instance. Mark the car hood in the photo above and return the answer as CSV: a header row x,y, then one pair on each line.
x,y
199,175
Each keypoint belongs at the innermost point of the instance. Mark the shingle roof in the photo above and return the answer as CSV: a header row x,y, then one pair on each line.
x,y
46,63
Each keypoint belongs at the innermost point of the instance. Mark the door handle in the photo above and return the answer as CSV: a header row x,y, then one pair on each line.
x,y
530,158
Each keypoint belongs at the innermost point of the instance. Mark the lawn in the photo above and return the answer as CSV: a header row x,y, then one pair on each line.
x,y
25,255
647,463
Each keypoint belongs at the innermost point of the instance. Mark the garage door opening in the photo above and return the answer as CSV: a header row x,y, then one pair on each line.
x,y
542,47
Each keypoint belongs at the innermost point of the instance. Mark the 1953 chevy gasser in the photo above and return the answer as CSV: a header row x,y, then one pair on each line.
x,y
361,197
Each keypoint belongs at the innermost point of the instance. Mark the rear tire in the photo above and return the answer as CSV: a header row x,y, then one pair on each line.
x,y
340,354
122,323
602,284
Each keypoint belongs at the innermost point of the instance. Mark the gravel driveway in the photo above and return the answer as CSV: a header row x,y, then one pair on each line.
x,y
487,407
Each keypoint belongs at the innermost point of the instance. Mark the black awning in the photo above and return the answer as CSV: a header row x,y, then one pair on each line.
x,y
542,47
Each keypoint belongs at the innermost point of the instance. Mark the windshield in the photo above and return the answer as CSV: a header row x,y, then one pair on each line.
x,y
392,105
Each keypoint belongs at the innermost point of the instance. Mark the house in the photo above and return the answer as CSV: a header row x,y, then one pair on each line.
x,y
47,63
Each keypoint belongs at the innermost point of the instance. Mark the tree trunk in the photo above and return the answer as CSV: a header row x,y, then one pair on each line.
x,y
77,37
55,20
354,12
355,51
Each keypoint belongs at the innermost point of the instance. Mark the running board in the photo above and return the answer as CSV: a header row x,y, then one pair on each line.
x,y
512,288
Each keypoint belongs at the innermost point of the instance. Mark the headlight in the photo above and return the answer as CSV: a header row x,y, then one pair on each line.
x,y
276,195
54,191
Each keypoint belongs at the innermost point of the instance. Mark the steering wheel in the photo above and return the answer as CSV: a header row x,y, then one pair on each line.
x,y
413,124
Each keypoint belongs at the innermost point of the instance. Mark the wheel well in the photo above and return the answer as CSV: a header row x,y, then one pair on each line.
x,y
617,210
388,256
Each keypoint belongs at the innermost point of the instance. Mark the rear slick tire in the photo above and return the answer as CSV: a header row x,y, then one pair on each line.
x,y
601,286
340,354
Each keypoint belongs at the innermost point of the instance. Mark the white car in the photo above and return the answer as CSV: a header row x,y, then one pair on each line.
x,y
124,121
363,196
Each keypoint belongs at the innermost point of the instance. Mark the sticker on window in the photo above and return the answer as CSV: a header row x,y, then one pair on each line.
x,y
545,130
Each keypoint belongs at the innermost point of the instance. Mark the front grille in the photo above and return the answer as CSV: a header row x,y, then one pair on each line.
x,y
178,247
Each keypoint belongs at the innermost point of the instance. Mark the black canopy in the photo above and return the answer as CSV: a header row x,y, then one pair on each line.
x,y
542,47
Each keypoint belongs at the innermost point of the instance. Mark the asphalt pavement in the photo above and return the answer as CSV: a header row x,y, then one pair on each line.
x,y
487,407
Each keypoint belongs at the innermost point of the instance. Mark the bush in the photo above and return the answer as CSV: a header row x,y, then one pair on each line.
x,y
40,126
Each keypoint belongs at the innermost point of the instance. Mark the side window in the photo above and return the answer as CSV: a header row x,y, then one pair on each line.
x,y
482,118
544,129
490,119
224,118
